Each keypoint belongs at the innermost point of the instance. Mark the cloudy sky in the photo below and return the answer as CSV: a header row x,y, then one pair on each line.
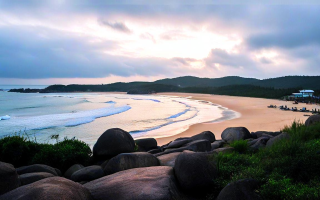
x,y
84,41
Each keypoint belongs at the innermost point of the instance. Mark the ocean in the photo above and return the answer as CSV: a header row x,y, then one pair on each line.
x,y
86,116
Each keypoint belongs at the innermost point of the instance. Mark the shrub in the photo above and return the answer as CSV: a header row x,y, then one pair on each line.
x,y
240,146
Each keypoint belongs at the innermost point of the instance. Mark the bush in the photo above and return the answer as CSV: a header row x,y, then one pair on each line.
x,y
19,151
240,146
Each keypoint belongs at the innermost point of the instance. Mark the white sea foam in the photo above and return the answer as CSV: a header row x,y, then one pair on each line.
x,y
63,120
6,117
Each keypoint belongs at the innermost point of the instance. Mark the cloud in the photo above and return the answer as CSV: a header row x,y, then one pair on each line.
x,y
118,26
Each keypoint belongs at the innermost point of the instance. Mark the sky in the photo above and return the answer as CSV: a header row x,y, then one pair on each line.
x,y
95,42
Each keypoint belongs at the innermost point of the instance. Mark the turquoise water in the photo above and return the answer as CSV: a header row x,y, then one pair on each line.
x,y
87,115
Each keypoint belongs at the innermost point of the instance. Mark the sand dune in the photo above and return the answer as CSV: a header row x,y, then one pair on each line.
x,y
254,115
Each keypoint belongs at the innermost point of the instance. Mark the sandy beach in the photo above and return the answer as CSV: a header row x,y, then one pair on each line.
x,y
255,115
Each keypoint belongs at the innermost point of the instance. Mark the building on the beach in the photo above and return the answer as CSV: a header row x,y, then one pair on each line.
x,y
303,94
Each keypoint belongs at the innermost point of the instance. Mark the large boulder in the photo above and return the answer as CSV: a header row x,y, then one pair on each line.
x,y
258,143
178,143
168,159
36,168
217,144
240,190
146,144
235,133
312,120
113,142
154,151
258,134
206,135
223,150
8,178
152,183
126,161
273,140
49,188
28,178
88,174
195,172
72,170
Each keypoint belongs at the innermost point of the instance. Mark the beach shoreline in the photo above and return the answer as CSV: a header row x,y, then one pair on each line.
x,y
255,115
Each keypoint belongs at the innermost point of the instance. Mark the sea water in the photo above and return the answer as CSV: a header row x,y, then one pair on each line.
x,y
86,116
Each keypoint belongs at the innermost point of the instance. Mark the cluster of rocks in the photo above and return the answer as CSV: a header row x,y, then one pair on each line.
x,y
137,169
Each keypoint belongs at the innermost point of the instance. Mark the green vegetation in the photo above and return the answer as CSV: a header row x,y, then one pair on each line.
x,y
290,169
240,146
21,150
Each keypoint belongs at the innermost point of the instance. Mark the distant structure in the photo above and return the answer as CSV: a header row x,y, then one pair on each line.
x,y
303,94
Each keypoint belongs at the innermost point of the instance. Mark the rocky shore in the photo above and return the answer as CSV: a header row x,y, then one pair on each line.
x,y
186,168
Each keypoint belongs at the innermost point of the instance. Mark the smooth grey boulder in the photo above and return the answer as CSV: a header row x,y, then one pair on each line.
x,y
240,190
152,183
28,178
313,119
217,144
58,171
223,150
168,159
9,179
154,151
235,133
126,161
206,135
178,143
72,170
146,144
36,168
87,174
113,142
49,188
196,146
258,134
273,140
258,143
195,172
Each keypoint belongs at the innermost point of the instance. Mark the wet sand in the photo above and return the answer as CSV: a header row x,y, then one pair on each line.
x,y
255,115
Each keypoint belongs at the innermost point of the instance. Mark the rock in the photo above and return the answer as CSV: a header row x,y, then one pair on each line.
x,y
72,170
258,134
168,159
58,171
8,178
152,183
49,188
235,133
312,120
217,144
196,146
28,178
179,143
147,144
223,150
36,168
206,135
271,141
258,143
87,174
126,161
104,164
113,142
195,172
240,190
154,151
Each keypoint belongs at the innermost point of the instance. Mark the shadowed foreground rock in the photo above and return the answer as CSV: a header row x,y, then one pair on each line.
x,y
194,171
312,120
235,133
113,142
33,177
126,161
8,178
36,168
196,146
273,140
87,174
72,170
240,190
146,144
152,183
49,188
168,159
